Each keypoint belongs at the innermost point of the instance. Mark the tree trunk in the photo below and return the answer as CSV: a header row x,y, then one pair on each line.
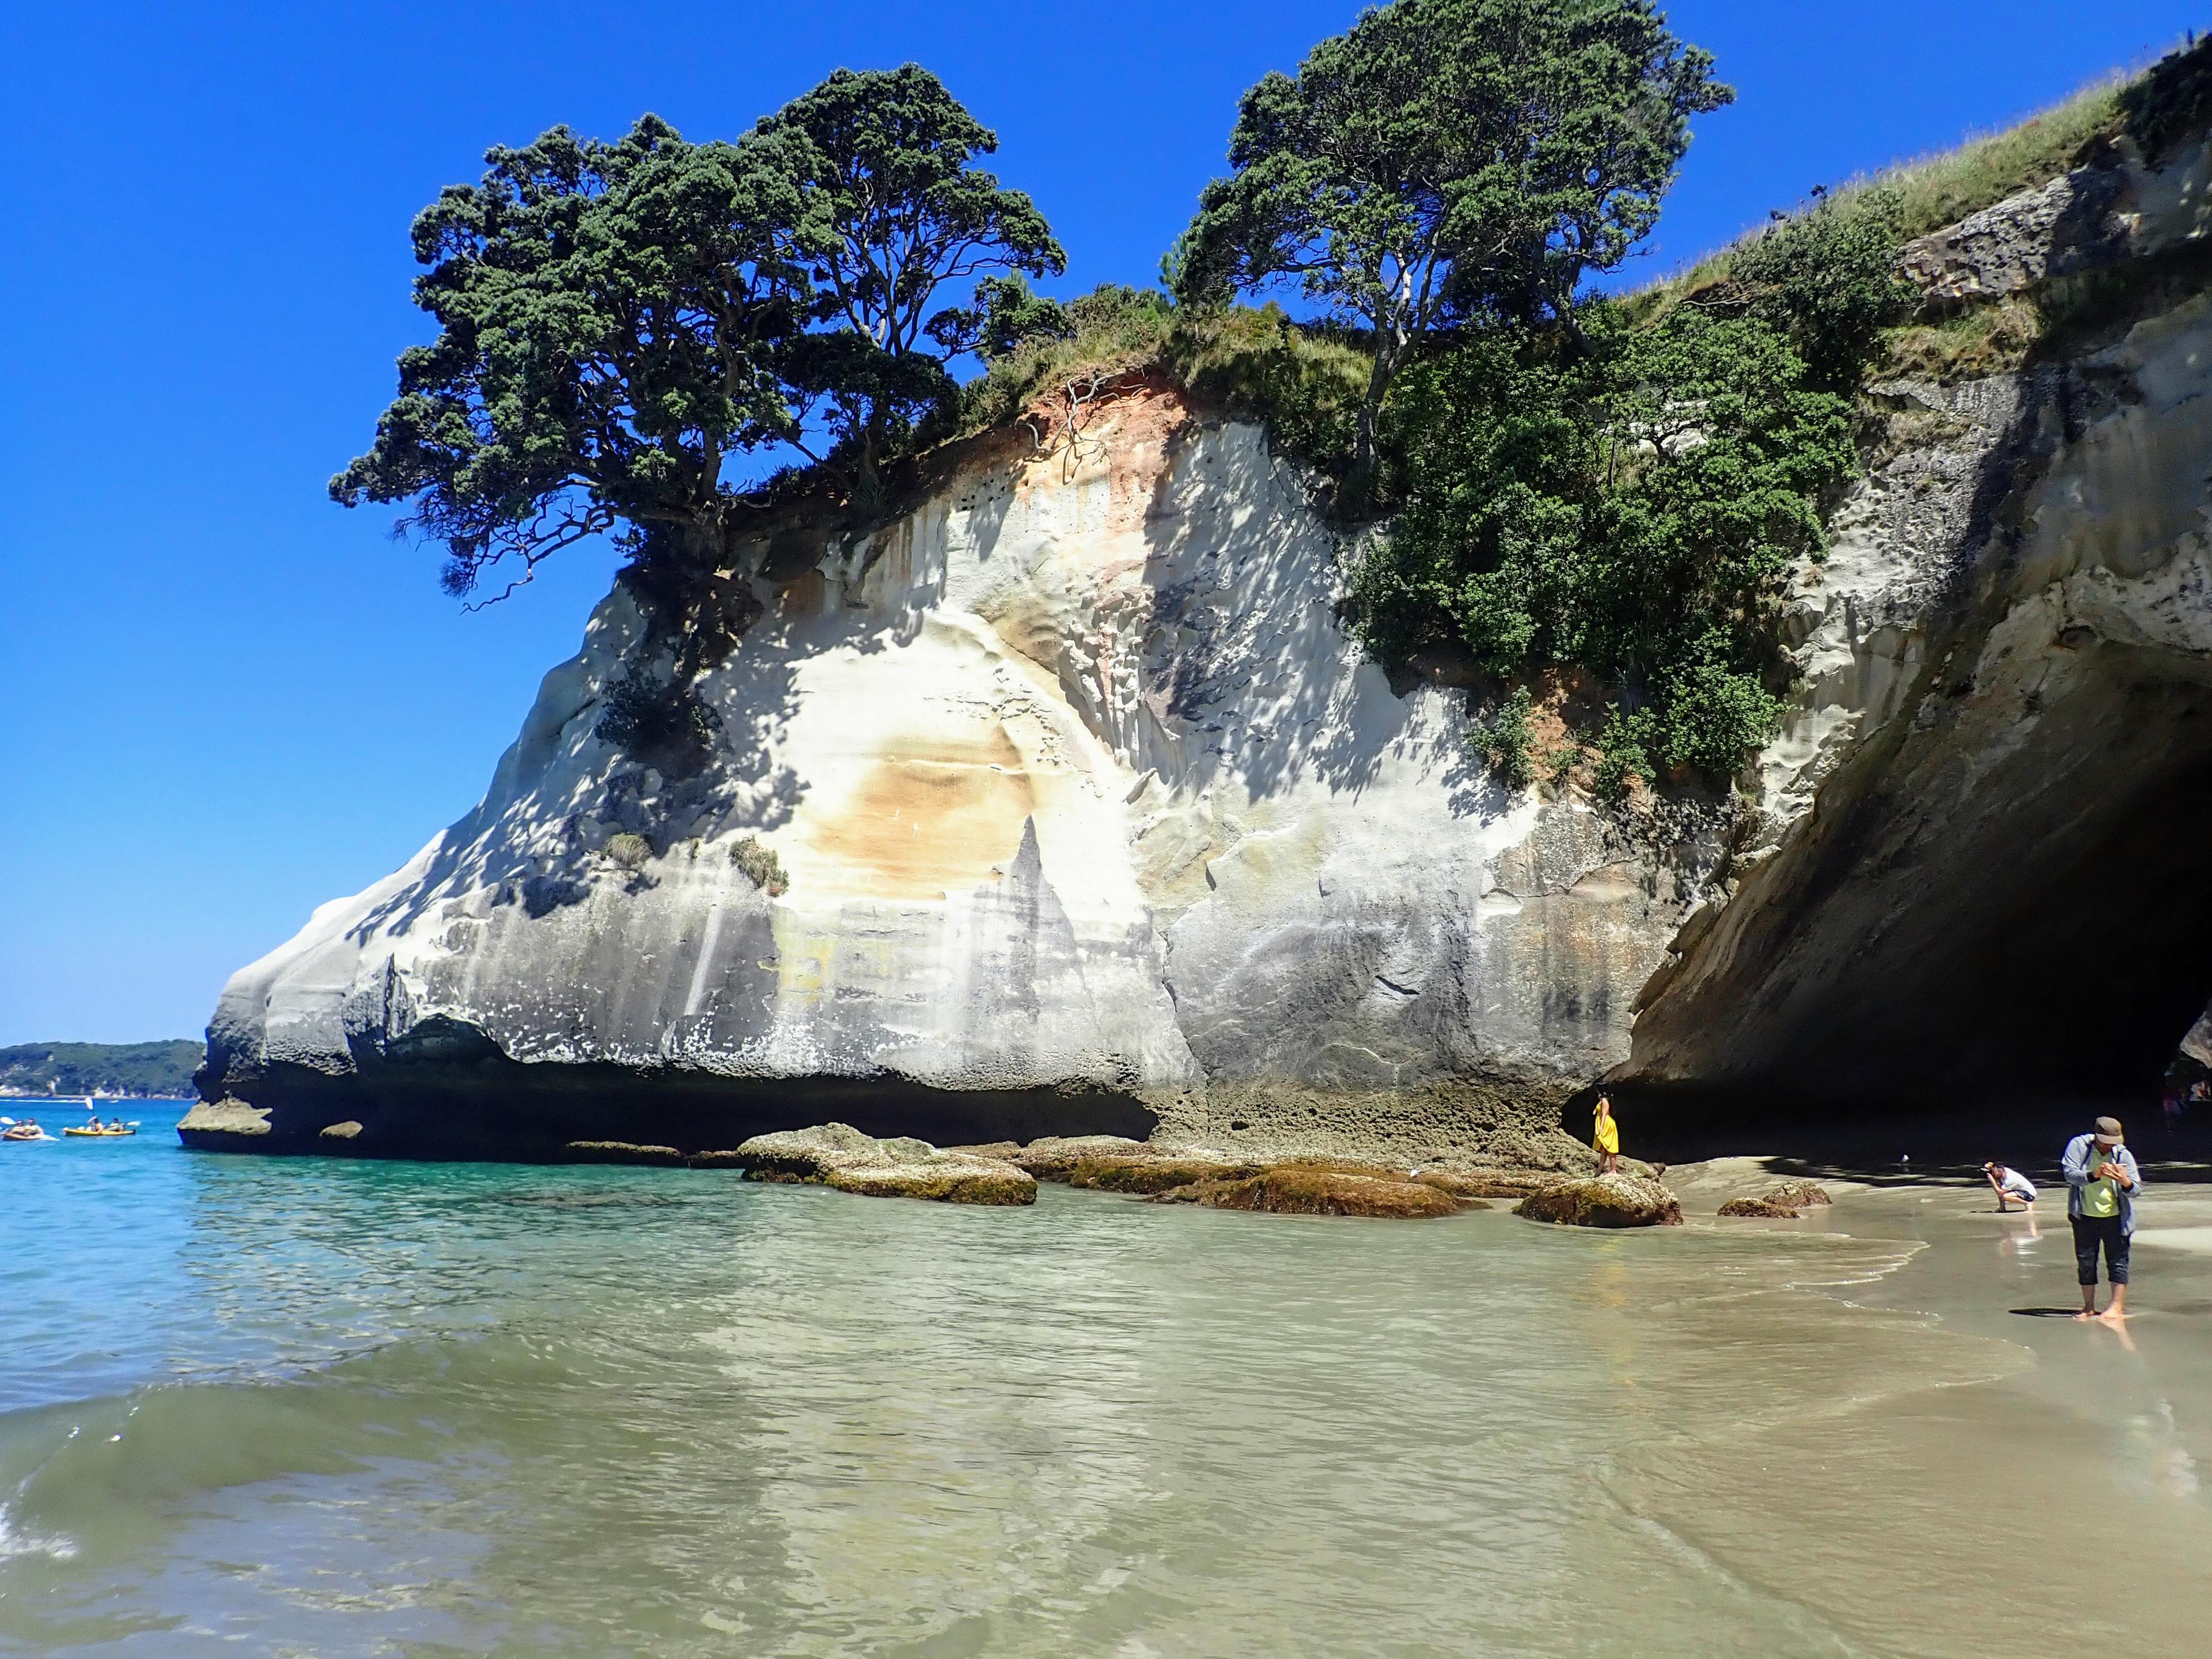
x,y
1359,481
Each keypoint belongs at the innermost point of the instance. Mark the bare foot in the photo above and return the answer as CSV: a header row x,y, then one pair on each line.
x,y
2087,1314
2113,1317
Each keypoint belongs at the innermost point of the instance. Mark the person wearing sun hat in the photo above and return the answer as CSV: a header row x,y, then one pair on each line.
x,y
2102,1184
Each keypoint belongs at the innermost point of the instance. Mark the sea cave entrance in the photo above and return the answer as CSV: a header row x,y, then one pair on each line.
x,y
2006,915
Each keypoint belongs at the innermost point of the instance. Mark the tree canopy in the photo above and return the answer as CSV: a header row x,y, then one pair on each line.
x,y
617,321
1446,160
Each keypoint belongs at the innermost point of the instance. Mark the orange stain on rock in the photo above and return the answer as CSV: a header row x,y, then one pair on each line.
x,y
935,814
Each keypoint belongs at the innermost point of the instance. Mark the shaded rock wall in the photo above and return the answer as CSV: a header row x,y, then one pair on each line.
x,y
1977,873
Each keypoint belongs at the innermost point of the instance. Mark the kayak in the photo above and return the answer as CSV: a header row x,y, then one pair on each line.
x,y
13,1135
100,1134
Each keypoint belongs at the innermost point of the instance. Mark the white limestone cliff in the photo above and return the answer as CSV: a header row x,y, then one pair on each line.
x,y
1093,819
1080,785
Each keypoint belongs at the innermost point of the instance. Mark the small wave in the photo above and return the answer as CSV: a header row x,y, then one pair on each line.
x,y
13,1543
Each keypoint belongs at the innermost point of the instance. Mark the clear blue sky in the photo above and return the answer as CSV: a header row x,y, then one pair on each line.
x,y
224,701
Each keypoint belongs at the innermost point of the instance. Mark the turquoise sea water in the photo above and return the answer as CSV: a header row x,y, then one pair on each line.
x,y
335,1408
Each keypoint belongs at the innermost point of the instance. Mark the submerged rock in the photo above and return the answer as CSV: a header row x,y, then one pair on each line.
x,y
837,1155
1606,1200
1292,1189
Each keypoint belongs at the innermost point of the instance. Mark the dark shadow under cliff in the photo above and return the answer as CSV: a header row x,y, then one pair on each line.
x,y
483,1105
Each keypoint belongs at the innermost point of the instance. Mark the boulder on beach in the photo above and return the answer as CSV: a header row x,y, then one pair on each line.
x,y
1290,1189
1783,1203
1801,1195
1606,1200
1759,1209
840,1156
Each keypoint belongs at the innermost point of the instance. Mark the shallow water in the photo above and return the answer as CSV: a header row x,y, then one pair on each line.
x,y
318,1407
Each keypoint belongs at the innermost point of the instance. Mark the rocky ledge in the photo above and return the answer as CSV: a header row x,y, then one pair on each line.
x,y
837,1155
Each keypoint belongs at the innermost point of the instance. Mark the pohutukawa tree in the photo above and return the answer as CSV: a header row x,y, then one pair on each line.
x,y
891,210
619,322
1445,161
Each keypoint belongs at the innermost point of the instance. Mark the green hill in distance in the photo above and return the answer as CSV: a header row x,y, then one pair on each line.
x,y
131,1069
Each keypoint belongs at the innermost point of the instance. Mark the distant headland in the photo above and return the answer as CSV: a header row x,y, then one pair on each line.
x,y
132,1071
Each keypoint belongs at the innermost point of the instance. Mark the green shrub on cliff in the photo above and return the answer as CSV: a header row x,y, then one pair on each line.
x,y
1506,742
760,865
1626,501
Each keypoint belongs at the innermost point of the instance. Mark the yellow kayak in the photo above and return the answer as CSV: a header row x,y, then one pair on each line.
x,y
100,1134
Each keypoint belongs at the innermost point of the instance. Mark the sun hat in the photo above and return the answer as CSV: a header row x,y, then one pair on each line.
x,y
2108,1132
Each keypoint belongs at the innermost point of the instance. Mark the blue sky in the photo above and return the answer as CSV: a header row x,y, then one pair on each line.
x,y
224,701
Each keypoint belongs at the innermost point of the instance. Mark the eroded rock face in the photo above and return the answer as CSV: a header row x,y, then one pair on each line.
x,y
2095,217
1093,821
837,1155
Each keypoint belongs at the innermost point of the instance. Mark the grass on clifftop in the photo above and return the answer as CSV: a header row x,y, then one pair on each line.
x,y
1303,382
2155,110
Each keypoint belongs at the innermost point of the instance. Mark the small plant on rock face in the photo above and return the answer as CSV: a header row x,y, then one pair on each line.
x,y
628,849
760,865
1623,756
1506,741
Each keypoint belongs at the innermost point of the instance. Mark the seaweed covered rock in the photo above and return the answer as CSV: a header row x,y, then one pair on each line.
x,y
1783,1203
1606,1200
837,1155
1757,1209
1801,1195
1053,1158
1148,1177
1291,1189
1476,1184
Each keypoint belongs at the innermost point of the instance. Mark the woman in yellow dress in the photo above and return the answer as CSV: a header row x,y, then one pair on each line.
x,y
1607,1138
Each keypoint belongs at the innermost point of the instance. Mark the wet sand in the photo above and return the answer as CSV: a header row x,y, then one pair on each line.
x,y
2057,1505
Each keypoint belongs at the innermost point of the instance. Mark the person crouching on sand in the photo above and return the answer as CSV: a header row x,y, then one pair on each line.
x,y
1607,1139
2010,1184
2102,1185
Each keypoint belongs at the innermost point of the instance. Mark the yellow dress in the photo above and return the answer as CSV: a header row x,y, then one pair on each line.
x,y
1608,1134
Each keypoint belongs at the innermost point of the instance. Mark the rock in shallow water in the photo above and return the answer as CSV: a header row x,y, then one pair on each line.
x,y
1289,1189
1783,1203
1757,1208
837,1155
1607,1200
1148,1177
